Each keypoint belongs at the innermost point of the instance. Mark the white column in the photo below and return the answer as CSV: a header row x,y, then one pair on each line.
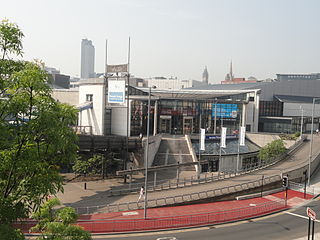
x,y
155,118
256,112
244,115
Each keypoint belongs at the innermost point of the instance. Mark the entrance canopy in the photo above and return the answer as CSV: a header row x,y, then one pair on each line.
x,y
199,94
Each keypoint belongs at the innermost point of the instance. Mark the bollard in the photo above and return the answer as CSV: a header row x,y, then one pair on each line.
x,y
85,186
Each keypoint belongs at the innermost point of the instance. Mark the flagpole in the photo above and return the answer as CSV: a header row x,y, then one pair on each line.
x,y
238,155
128,105
221,123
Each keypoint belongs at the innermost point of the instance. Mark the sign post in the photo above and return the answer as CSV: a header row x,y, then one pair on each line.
x,y
312,217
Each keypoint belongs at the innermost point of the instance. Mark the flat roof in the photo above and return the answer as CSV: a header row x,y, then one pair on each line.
x,y
198,94
294,99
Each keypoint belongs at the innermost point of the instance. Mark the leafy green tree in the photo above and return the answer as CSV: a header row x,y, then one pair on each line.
x,y
10,39
97,164
271,150
57,225
35,133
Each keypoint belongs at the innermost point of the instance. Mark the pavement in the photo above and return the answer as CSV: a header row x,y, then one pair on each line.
x,y
294,199
96,193
187,215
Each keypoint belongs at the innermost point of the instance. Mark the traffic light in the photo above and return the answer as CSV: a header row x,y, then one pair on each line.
x,y
285,181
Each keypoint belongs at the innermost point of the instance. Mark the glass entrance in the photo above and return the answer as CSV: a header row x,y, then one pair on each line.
x,y
188,125
165,124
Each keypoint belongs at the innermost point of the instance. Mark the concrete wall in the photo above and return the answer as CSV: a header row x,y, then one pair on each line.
x,y
66,96
296,173
93,117
192,152
307,88
250,114
119,120
154,144
293,109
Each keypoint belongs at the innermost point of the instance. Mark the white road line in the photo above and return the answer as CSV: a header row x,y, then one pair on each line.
x,y
301,216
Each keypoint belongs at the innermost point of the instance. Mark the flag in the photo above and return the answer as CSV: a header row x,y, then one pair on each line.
x,y
223,137
202,139
242,136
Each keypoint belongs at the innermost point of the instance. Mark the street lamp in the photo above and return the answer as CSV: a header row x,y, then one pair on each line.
x,y
310,154
147,157
301,127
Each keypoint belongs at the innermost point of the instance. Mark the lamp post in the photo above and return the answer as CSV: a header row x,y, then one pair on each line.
x,y
301,127
215,117
311,142
147,158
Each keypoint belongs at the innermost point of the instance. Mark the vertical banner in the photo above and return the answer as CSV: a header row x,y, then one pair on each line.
x,y
202,139
223,137
116,91
242,136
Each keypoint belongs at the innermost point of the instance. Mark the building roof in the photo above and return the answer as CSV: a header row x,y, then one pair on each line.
x,y
240,86
193,93
294,99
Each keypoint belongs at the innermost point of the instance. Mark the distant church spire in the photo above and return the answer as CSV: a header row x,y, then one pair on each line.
x,y
205,76
229,76
231,73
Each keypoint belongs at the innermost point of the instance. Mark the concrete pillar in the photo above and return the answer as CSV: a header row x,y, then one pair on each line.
x,y
244,115
155,118
256,112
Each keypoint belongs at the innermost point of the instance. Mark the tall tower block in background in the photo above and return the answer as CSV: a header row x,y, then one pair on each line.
x,y
87,59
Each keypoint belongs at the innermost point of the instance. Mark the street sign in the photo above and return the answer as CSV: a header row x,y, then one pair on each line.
x,y
311,214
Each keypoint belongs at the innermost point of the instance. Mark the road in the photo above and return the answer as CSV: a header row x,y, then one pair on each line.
x,y
286,225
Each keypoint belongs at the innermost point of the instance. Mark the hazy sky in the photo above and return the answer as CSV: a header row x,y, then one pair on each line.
x,y
174,37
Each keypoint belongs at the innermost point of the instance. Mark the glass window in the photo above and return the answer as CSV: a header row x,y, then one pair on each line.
x,y
89,97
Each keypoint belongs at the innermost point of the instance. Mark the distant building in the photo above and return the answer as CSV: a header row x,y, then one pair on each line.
x,y
87,59
173,83
205,76
57,80
229,76
230,79
290,77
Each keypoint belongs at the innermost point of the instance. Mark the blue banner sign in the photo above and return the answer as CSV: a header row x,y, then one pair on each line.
x,y
225,110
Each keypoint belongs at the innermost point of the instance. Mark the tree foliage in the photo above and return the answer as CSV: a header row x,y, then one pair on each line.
x,y
10,39
97,164
271,150
35,133
57,225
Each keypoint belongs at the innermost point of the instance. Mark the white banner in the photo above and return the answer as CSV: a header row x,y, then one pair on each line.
x,y
223,137
202,139
117,68
116,91
242,136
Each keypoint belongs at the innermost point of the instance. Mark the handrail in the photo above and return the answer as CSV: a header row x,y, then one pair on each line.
x,y
171,200
166,184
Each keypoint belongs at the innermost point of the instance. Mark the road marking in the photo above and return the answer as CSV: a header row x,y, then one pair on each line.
x,y
148,233
129,213
301,216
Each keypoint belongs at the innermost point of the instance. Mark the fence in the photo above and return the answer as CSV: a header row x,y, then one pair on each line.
x,y
170,222
171,200
204,177
182,221
300,188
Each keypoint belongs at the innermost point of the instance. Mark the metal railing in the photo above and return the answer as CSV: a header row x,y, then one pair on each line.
x,y
300,188
216,217
160,185
171,200
171,222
